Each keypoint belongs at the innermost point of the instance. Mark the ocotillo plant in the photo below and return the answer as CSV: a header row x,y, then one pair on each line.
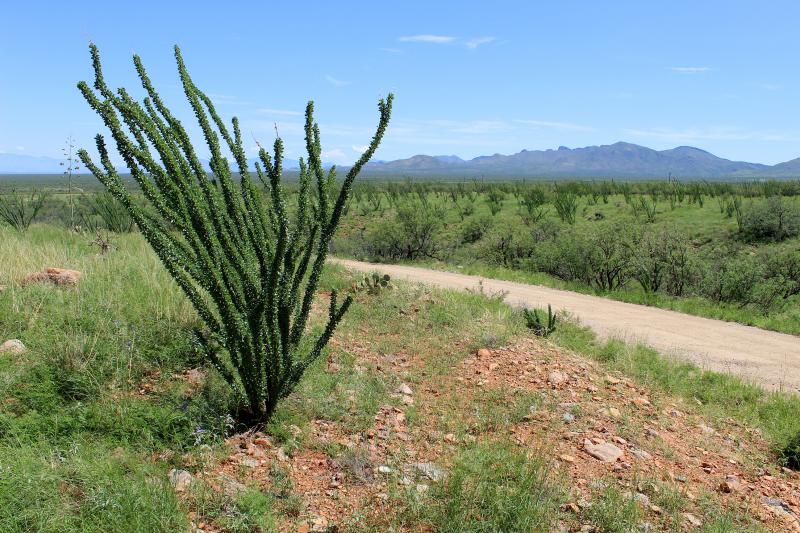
x,y
248,266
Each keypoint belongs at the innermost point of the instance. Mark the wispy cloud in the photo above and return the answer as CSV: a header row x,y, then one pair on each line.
x,y
336,82
427,38
771,86
690,70
472,44
336,156
392,50
360,149
555,125
282,112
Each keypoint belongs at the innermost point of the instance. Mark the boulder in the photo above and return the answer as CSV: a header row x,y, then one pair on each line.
x,y
56,276
13,347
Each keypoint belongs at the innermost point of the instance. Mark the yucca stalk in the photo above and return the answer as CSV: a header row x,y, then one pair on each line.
x,y
248,266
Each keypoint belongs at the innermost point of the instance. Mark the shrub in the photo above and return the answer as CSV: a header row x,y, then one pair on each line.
x,y
412,233
600,257
494,199
566,205
661,260
772,220
536,323
506,247
475,228
790,454
18,210
102,210
250,273
731,279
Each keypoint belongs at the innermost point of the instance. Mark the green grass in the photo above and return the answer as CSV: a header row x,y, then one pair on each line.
x,y
492,487
79,439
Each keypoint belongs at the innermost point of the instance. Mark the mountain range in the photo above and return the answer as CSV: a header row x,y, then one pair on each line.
x,y
607,161
622,159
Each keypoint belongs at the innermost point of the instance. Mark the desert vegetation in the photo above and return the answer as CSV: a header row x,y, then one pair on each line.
x,y
723,250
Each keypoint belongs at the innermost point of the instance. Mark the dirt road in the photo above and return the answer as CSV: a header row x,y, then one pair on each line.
x,y
770,358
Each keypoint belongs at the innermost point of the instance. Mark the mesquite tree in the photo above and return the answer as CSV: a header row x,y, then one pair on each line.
x,y
249,266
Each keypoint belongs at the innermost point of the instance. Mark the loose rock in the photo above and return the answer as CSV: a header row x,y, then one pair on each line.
x,y
603,451
13,346
180,479
556,378
430,470
56,276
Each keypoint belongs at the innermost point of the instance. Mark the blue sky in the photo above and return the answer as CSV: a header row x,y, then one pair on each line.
x,y
470,78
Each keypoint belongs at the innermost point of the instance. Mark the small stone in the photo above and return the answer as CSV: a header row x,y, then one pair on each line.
x,y
645,526
706,430
641,454
611,412
650,432
641,401
680,478
484,352
407,400
383,469
13,347
430,470
604,451
319,524
612,380
567,458
282,457
731,484
180,479
568,418
421,488
693,520
556,378
303,528
405,389
250,463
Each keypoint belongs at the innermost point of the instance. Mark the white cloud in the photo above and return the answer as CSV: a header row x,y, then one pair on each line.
x,y
472,44
283,112
336,156
392,50
20,148
555,125
335,81
690,70
435,39
360,149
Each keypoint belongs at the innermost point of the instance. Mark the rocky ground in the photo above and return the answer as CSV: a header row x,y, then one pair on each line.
x,y
600,431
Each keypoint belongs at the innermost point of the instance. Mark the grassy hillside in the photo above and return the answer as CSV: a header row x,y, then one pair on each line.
x,y
111,421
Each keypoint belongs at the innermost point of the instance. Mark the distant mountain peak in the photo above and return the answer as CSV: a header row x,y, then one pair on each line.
x,y
621,160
